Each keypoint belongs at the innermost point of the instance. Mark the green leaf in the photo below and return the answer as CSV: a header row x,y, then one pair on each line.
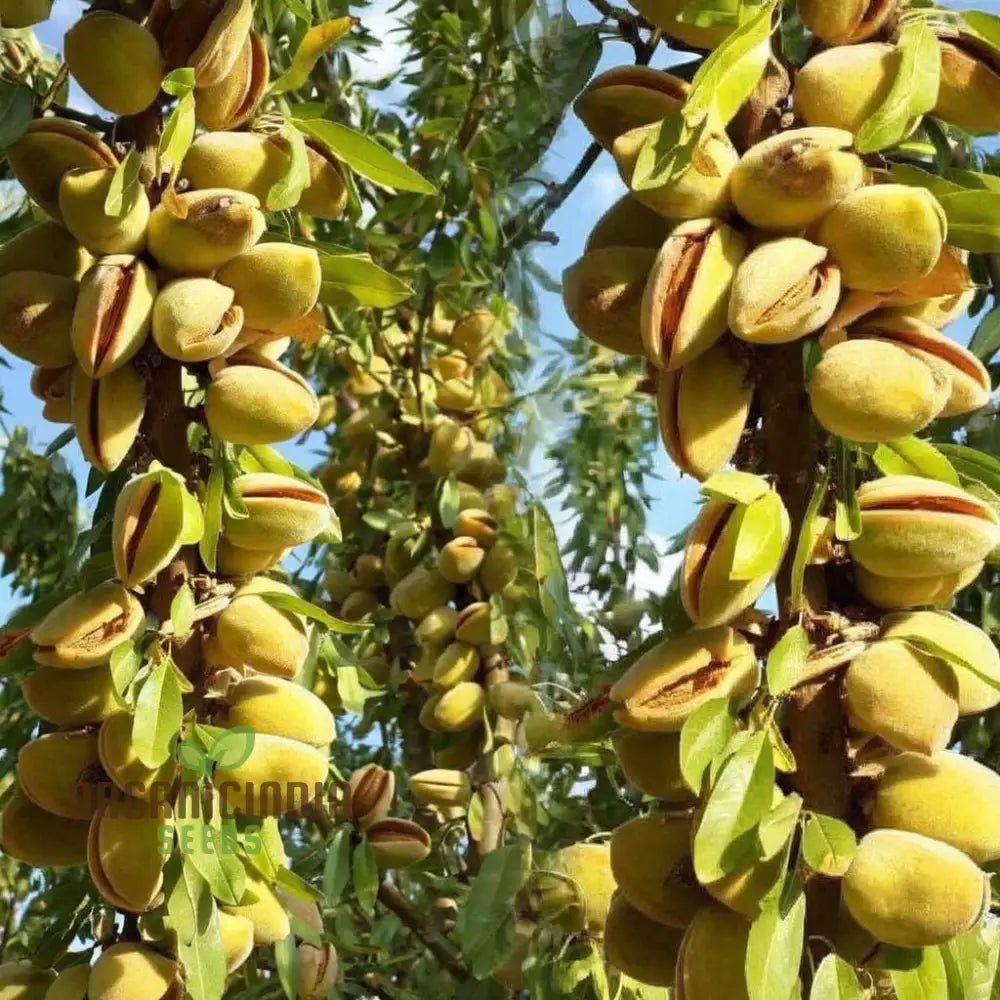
x,y
986,340
741,488
774,947
17,102
354,279
158,714
973,220
739,800
233,747
365,874
448,502
315,42
177,135
195,918
953,659
809,535
125,188
914,90
182,610
286,960
836,980
917,974
488,907
124,665
300,606
984,24
910,456
760,538
286,191
192,757
732,70
214,490
970,962
847,515
786,663
828,845
212,854
705,734
179,82
777,827
665,153
365,157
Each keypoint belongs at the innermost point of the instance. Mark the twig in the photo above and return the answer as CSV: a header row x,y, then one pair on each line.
x,y
440,947
94,121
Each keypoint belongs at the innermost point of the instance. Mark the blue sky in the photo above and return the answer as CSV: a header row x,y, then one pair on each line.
x,y
673,496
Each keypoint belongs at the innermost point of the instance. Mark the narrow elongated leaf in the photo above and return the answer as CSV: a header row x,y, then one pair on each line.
x,y
760,538
970,962
736,487
973,220
287,189
337,868
777,827
739,800
917,975
364,872
315,42
195,917
986,340
158,713
774,948
913,93
809,535
212,507
300,606
16,103
365,156
354,279
911,456
125,187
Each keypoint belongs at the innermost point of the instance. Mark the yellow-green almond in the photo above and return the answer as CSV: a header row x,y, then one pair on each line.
x,y
35,837
60,773
459,707
82,631
602,293
118,756
970,381
651,762
892,593
629,223
702,409
783,290
112,314
884,236
945,795
651,862
873,390
441,787
274,283
685,301
279,776
194,319
701,190
252,632
106,414
437,626
71,697
207,37
912,891
458,662
641,948
962,639
795,178
627,97
199,231
253,400
905,697
283,512
234,99
665,685
712,590
82,198
666,14
915,527
125,971
969,90
420,592
47,149
279,707
712,958
46,247
398,843
115,60
36,316
24,13
845,22
842,87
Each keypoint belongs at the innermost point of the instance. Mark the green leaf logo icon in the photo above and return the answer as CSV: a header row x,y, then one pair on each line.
x,y
193,758
233,747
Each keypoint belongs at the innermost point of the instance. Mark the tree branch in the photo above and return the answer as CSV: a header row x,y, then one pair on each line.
x,y
439,946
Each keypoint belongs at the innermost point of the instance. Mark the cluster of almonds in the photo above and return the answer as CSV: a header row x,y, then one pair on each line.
x,y
182,284
796,237
442,587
